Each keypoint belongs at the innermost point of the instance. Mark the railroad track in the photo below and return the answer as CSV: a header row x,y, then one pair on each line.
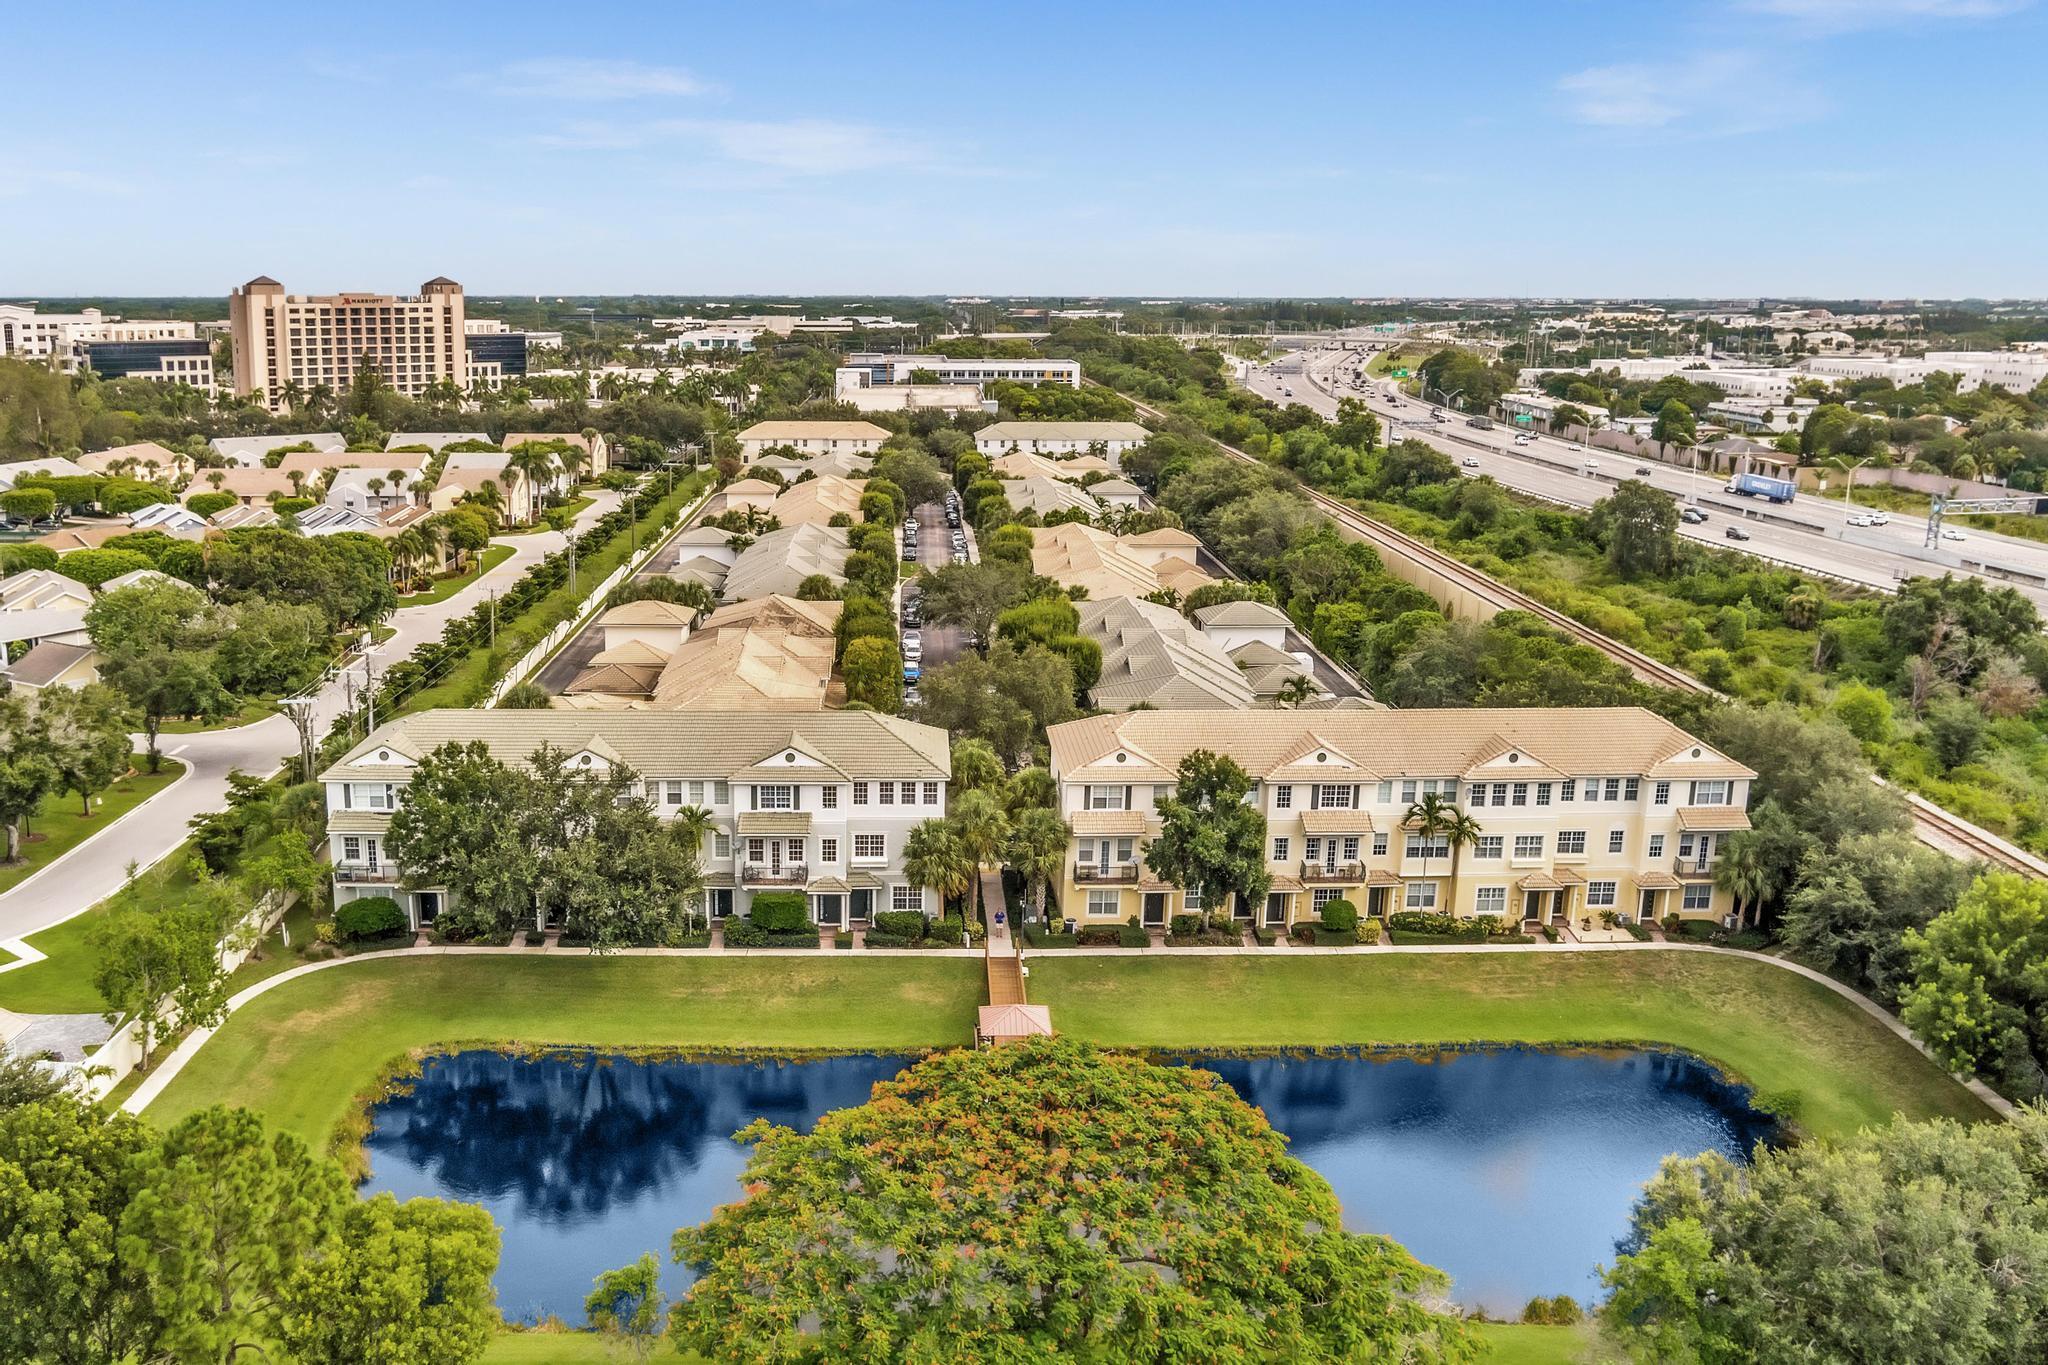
x,y
1932,825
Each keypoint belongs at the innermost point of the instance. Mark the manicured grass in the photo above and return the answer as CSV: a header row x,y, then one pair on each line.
x,y
1514,1343
1778,1032
445,588
300,1054
62,984
567,1348
248,713
59,827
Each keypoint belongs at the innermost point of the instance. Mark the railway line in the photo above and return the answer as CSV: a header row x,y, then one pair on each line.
x,y
1932,825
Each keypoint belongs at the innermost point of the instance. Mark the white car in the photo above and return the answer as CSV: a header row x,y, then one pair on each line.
x,y
913,644
1522,440
1947,534
1470,462
1592,466
1577,449
1880,518
1862,519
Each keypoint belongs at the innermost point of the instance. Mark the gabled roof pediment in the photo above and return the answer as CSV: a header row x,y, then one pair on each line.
x,y
1500,759
1315,756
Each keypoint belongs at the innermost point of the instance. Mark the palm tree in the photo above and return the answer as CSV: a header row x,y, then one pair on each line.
x,y
408,548
1743,873
537,464
1296,690
1037,847
975,765
1030,788
983,827
933,856
1436,817
695,822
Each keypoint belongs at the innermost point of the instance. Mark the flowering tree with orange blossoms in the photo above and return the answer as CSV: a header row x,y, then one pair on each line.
x,y
1047,1199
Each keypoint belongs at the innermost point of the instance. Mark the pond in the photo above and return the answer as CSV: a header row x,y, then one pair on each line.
x,y
1512,1169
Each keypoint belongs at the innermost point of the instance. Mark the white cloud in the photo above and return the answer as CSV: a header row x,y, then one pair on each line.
x,y
1713,94
804,147
575,78
1842,15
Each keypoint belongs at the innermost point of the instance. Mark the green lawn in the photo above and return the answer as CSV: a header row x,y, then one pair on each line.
x,y
1779,1032
445,588
62,983
250,711
1514,1343
302,1053
59,827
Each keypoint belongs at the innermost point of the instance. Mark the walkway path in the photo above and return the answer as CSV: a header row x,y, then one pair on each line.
x,y
98,867
181,1055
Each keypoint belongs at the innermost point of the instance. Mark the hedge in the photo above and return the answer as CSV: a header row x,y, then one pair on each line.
x,y
369,917
779,912
905,924
741,934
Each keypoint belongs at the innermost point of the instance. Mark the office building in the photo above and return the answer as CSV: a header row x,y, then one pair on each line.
x,y
296,342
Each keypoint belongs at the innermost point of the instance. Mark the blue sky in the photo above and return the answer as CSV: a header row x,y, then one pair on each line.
x,y
1822,147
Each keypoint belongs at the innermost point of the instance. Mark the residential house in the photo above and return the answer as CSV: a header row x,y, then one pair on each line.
x,y
1152,656
704,554
168,517
248,451
1232,624
779,562
1077,556
813,438
766,654
1047,496
142,460
1583,812
597,452
37,589
54,465
432,440
253,485
820,802
51,664
1107,439
1021,465
1117,493
844,464
370,491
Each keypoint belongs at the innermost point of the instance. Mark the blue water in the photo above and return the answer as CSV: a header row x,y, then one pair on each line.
x,y
1512,1169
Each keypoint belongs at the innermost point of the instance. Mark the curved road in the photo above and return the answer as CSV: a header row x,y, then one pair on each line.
x,y
97,868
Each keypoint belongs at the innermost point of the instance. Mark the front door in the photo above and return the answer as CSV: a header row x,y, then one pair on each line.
x,y
1276,908
863,906
1155,909
1532,905
1376,901
427,905
1647,907
831,907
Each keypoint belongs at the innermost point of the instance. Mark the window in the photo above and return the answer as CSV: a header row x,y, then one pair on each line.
x,y
1490,900
721,793
931,793
829,797
1421,896
351,849
1386,792
1567,789
1106,798
885,793
869,848
1660,795
1599,895
1408,792
1710,793
1323,895
1632,789
1699,896
906,898
1613,790
1521,794
1500,793
1656,845
1379,845
1419,847
1488,846
1528,846
1333,796
370,796
828,850
1191,899
651,790
1314,851
1475,795
1283,797
1542,793
780,796
1280,849
721,844
757,850
1350,848
1103,904
1615,838
860,793
1571,841
672,792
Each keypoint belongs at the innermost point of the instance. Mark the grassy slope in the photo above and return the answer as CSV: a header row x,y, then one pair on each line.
x,y
1779,1032
445,588
1520,1344
59,827
62,984
300,1054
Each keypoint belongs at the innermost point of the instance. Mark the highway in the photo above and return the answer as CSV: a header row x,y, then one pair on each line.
x,y
1810,533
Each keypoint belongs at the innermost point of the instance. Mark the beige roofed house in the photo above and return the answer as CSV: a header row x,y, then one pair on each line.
x,y
250,450
317,462
818,500
1116,492
597,452
844,464
813,438
142,460
769,654
1150,654
253,486
1111,439
1046,496
1024,466
781,560
1270,671
1110,566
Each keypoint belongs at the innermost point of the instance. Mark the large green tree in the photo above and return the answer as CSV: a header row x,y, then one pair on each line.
x,y
402,1284
1638,526
1007,698
1912,1243
1210,838
1979,996
972,1210
153,966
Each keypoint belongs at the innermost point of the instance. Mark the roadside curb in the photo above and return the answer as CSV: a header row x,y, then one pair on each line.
x,y
18,946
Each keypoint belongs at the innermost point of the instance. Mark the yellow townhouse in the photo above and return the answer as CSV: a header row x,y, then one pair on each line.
x,y
1579,811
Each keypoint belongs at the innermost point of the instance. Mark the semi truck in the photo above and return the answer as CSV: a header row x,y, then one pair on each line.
x,y
1759,486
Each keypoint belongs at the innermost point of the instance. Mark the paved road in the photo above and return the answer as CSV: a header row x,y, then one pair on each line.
x,y
942,644
1548,467
97,868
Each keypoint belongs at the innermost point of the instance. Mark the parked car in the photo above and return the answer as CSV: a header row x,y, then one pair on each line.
x,y
911,696
913,645
1736,533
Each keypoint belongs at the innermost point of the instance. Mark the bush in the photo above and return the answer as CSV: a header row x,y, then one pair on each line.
x,y
369,917
206,504
947,931
1265,934
1186,926
15,558
1422,922
903,924
740,933
779,912
1340,917
1561,1311
1302,932
28,504
1037,936
1100,936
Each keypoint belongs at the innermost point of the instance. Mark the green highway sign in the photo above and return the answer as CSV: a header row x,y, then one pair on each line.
x,y
1400,374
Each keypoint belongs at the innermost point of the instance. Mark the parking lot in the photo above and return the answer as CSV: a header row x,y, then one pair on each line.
x,y
934,551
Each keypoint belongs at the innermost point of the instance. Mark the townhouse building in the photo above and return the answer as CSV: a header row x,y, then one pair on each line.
x,y
1580,812
819,802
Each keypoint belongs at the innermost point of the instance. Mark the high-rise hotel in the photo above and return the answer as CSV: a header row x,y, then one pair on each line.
x,y
307,340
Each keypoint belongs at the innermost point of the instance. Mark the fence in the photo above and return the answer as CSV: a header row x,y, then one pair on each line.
x,y
567,630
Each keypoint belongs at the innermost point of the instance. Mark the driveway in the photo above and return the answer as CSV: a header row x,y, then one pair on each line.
x,y
942,644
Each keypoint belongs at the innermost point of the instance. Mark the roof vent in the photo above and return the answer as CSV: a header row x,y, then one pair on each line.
x,y
1322,757
1514,758
1121,756
1695,753
383,755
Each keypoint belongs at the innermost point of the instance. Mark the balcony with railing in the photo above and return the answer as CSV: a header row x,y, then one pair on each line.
x,y
775,874
1695,867
366,873
1100,874
1345,873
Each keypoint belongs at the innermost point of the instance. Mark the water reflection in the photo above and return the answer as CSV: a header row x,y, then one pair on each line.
x,y
1512,1169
